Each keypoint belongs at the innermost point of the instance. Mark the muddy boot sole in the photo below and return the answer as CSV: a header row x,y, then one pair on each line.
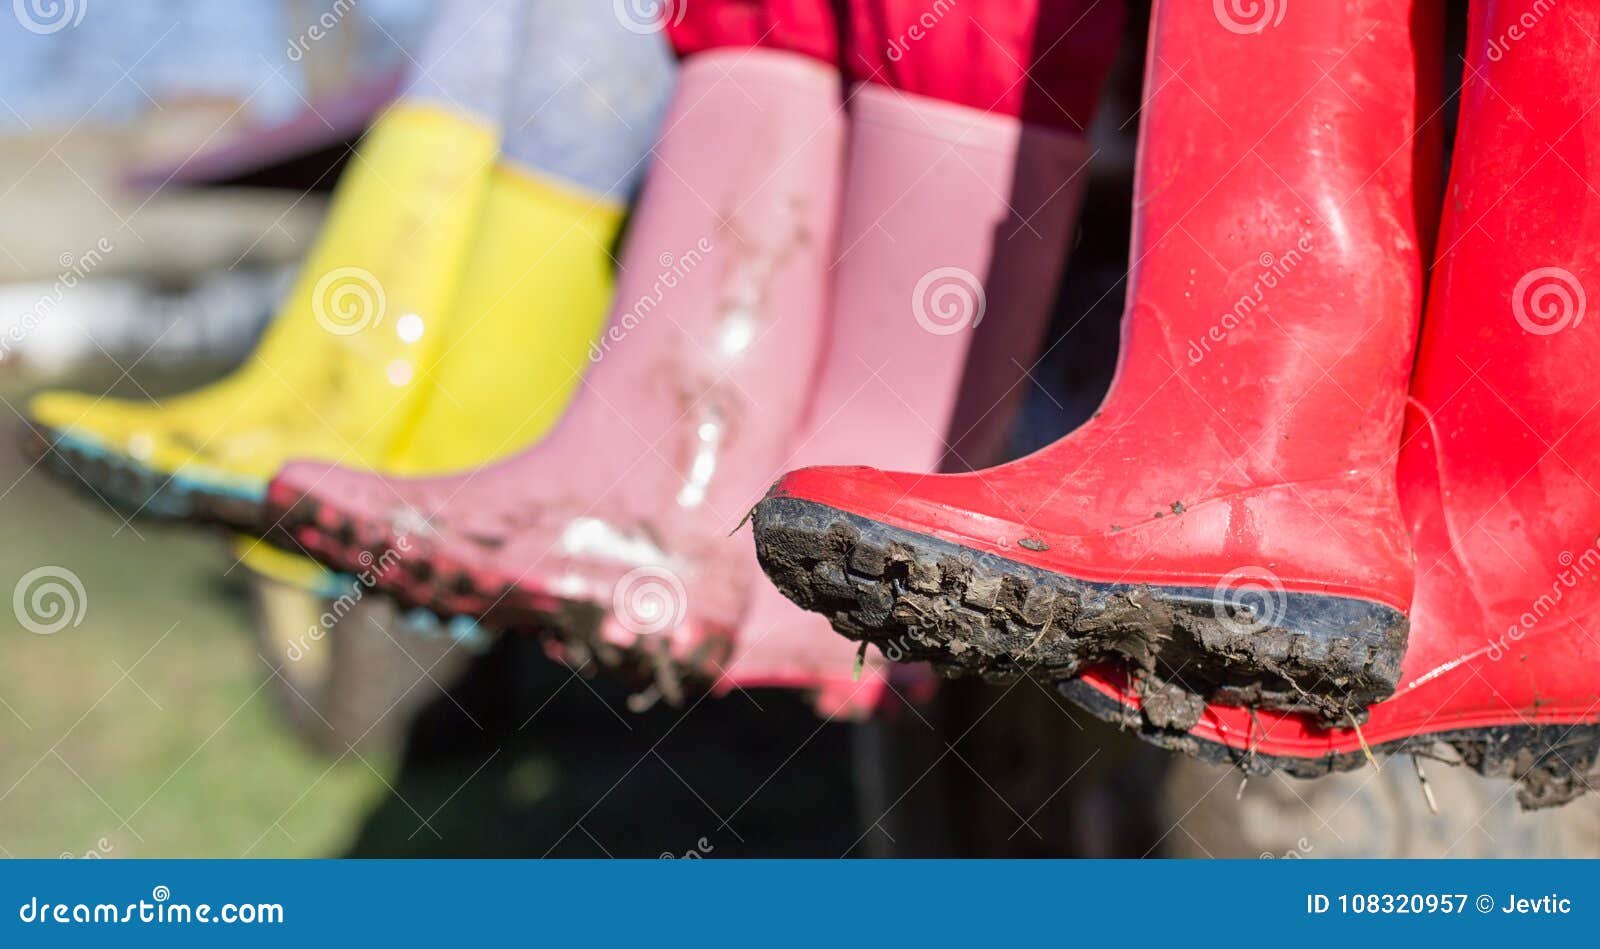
x,y
975,613
420,577
1551,764
139,490
402,564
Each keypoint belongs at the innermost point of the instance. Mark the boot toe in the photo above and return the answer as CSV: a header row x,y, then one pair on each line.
x,y
105,422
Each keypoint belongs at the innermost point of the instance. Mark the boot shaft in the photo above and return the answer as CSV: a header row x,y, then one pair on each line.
x,y
1276,256
1506,367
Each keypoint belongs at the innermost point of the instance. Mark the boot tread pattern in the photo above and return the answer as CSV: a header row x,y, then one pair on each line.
x,y
920,598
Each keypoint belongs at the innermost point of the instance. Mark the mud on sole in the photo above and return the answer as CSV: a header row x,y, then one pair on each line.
x,y
1552,764
920,598
138,489
434,582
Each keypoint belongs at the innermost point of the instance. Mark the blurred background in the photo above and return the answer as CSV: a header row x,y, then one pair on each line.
x,y
163,165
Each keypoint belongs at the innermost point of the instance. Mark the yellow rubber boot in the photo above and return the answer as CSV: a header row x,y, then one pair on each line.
x,y
339,373
534,299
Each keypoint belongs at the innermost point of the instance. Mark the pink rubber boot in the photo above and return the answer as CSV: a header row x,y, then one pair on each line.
x,y
915,293
957,218
685,412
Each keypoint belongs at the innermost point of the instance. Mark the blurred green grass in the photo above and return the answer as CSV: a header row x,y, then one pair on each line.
x,y
149,729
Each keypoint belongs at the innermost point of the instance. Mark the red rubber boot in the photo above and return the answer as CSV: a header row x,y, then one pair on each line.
x,y
1250,434
1498,476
